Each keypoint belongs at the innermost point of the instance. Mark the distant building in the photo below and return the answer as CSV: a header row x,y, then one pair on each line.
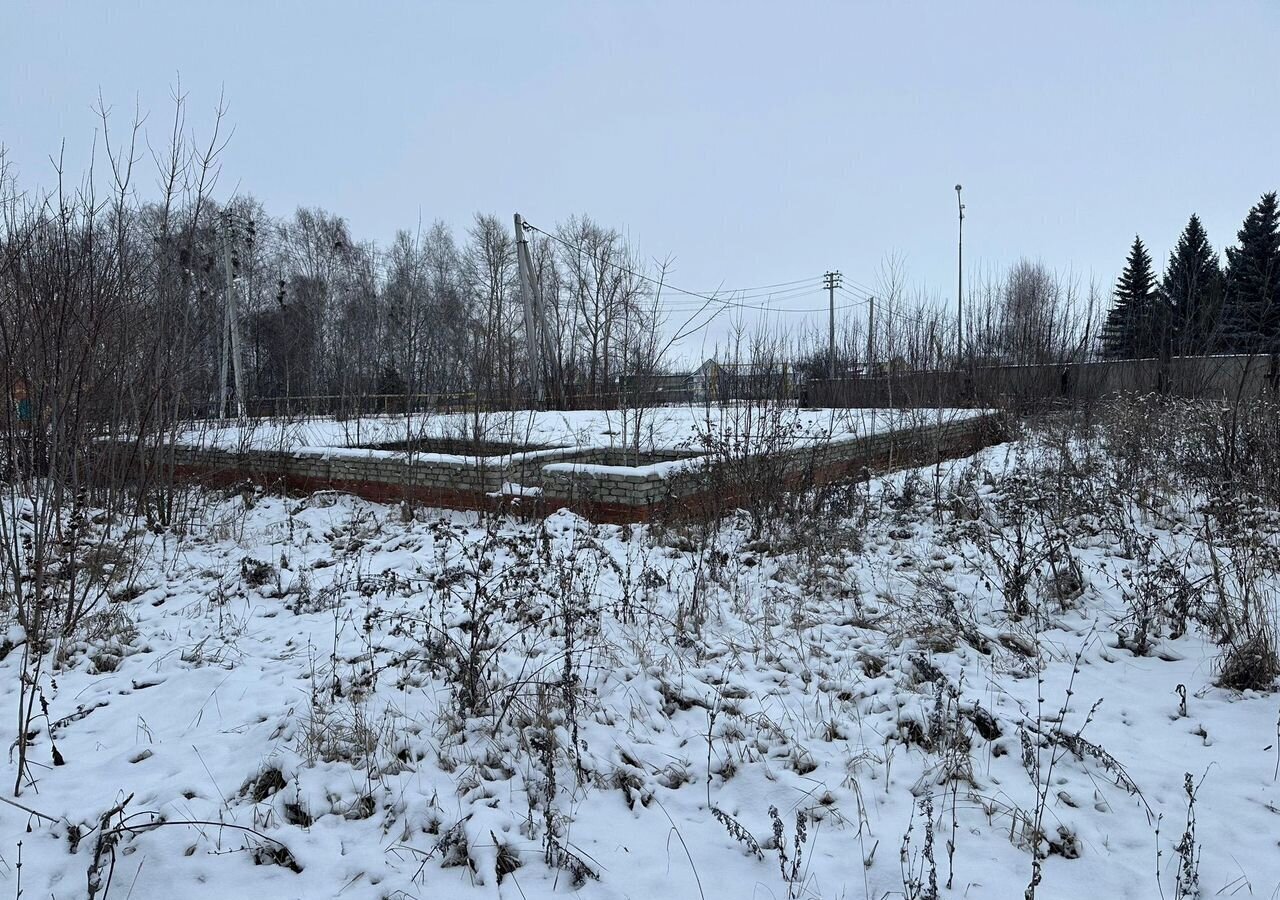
x,y
716,381
657,387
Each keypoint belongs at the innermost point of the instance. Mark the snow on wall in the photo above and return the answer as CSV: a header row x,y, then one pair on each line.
x,y
580,477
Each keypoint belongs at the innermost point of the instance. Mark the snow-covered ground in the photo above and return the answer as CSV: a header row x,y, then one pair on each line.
x,y
660,428
315,698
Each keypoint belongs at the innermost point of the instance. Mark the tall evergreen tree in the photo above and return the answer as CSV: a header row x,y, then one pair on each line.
x,y
1253,282
1192,292
1136,323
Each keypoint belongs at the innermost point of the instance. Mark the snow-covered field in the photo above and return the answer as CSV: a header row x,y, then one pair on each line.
x,y
316,698
659,428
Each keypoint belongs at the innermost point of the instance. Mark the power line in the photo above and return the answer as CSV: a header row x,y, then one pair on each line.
x,y
766,296
816,292
862,287
764,287
914,317
375,262
708,298
379,266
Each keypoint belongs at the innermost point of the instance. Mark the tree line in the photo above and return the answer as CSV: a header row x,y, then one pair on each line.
x,y
139,284
436,312
1201,306
96,279
113,305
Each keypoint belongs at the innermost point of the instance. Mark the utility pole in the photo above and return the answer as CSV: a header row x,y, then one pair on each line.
x,y
232,225
960,284
532,331
831,281
871,333
224,351
545,346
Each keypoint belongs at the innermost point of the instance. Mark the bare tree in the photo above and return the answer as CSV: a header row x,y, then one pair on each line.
x,y
95,317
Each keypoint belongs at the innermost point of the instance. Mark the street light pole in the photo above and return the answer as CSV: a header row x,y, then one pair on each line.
x,y
960,283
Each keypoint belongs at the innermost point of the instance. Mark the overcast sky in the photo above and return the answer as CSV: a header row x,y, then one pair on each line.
x,y
756,143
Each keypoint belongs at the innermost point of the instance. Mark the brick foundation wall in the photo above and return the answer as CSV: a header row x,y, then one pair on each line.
x,y
581,479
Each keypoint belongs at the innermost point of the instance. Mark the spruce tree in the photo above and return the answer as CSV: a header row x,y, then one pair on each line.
x,y
1135,325
1253,282
1192,292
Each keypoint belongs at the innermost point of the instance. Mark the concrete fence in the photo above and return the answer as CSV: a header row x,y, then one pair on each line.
x,y
1083,382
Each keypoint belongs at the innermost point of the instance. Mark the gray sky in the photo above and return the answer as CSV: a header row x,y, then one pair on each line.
x,y
756,143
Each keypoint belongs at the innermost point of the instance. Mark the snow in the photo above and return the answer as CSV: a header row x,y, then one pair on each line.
x,y
796,685
510,489
660,428
655,471
454,459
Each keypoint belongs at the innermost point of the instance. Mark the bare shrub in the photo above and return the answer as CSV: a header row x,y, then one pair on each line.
x,y
1251,663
